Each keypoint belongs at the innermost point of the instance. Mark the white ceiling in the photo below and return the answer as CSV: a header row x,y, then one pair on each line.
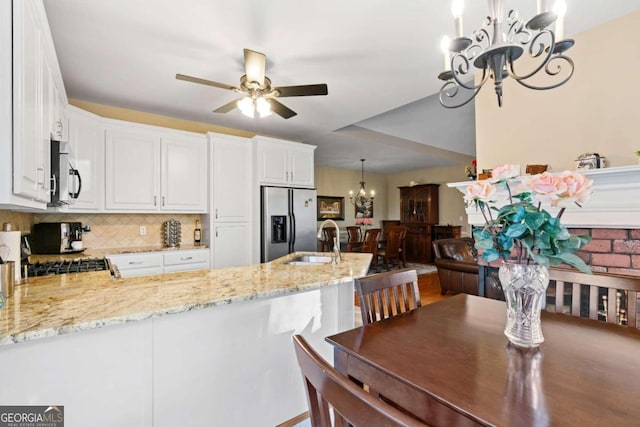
x,y
379,58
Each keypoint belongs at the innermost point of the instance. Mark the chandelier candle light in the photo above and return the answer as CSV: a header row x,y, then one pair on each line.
x,y
360,199
494,48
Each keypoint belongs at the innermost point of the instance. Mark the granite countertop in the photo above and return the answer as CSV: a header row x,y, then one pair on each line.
x,y
103,252
67,303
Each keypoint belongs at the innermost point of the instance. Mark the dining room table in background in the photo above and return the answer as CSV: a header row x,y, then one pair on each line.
x,y
449,363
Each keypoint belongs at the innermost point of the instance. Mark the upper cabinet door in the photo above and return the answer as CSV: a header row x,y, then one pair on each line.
x,y
29,172
301,168
184,174
284,163
132,171
273,164
86,136
232,177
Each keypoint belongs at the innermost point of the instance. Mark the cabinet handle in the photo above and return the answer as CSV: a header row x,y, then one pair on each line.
x,y
135,262
216,216
291,176
216,233
54,185
155,200
163,200
186,258
286,174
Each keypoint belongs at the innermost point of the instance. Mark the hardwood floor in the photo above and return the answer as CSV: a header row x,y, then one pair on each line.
x,y
429,285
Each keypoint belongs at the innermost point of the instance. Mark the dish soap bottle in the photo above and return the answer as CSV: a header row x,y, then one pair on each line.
x,y
197,233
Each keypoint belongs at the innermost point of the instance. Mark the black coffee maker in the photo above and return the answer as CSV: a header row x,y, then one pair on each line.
x,y
56,238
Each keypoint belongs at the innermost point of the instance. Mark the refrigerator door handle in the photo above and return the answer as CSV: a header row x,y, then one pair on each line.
x,y
292,222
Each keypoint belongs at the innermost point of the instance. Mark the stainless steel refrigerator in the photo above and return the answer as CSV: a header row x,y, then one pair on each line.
x,y
288,221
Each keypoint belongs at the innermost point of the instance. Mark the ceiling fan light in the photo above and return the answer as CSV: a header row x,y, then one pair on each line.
x,y
246,107
263,107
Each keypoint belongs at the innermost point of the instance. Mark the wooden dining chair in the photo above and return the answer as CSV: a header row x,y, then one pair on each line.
x,y
328,234
329,391
391,253
608,297
354,240
387,294
370,245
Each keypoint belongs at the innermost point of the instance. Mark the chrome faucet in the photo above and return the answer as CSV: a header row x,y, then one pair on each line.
x,y
336,258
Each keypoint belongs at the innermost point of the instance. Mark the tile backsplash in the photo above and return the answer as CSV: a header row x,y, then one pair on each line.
x,y
20,220
123,230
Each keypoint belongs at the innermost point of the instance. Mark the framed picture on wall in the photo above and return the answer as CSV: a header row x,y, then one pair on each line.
x,y
364,210
330,208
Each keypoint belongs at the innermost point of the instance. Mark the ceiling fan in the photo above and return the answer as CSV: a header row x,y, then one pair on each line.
x,y
260,96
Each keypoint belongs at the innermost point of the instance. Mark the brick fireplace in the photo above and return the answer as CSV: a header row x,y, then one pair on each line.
x,y
612,250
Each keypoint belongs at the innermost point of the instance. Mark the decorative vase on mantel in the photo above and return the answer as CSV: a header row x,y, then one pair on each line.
x,y
525,287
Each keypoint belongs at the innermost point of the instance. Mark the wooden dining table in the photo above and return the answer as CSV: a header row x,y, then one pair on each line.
x,y
449,363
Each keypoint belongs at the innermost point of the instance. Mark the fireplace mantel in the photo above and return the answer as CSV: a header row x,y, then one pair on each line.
x,y
615,202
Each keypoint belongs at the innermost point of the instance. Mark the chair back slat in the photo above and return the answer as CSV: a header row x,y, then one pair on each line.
x,y
387,294
601,296
328,392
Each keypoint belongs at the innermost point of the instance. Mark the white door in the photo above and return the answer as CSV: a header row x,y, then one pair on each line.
x,y
184,174
231,245
86,136
272,163
132,171
301,168
29,174
232,174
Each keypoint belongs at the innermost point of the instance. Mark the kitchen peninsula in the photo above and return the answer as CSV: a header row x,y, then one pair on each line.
x,y
207,347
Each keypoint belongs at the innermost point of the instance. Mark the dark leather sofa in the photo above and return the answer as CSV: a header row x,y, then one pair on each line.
x,y
457,264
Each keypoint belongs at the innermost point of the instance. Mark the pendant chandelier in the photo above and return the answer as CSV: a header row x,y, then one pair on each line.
x,y
494,48
360,199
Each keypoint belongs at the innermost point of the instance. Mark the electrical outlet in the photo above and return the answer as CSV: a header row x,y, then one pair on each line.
x,y
143,230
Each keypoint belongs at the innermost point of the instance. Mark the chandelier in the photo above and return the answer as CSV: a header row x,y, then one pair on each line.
x,y
360,199
494,48
250,105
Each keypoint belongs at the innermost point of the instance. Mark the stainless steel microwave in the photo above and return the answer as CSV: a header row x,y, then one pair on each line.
x,y
66,182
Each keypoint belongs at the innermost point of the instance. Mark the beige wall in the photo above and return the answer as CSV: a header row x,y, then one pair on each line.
x,y
451,205
337,182
154,119
19,220
596,111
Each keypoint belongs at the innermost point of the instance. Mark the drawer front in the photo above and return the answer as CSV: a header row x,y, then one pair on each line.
x,y
186,267
137,261
177,258
144,271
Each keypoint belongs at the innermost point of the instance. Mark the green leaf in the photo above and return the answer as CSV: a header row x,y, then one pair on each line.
x,y
534,220
490,255
484,243
504,241
516,230
575,261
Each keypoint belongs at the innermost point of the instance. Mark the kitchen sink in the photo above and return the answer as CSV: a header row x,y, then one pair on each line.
x,y
309,260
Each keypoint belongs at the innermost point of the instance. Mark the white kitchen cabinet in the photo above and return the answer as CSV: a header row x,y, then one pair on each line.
x,y
228,225
185,260
184,174
232,176
231,244
132,170
151,169
86,137
138,264
158,262
284,163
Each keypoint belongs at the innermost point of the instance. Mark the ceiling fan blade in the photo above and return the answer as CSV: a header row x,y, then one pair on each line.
x,y
205,82
303,90
281,109
254,66
227,107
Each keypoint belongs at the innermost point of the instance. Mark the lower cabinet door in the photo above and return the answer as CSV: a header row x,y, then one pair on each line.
x,y
231,245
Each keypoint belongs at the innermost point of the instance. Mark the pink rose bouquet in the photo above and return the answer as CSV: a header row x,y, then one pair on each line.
x,y
522,228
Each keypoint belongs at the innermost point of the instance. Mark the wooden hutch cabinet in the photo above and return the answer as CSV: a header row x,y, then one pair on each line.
x,y
419,214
